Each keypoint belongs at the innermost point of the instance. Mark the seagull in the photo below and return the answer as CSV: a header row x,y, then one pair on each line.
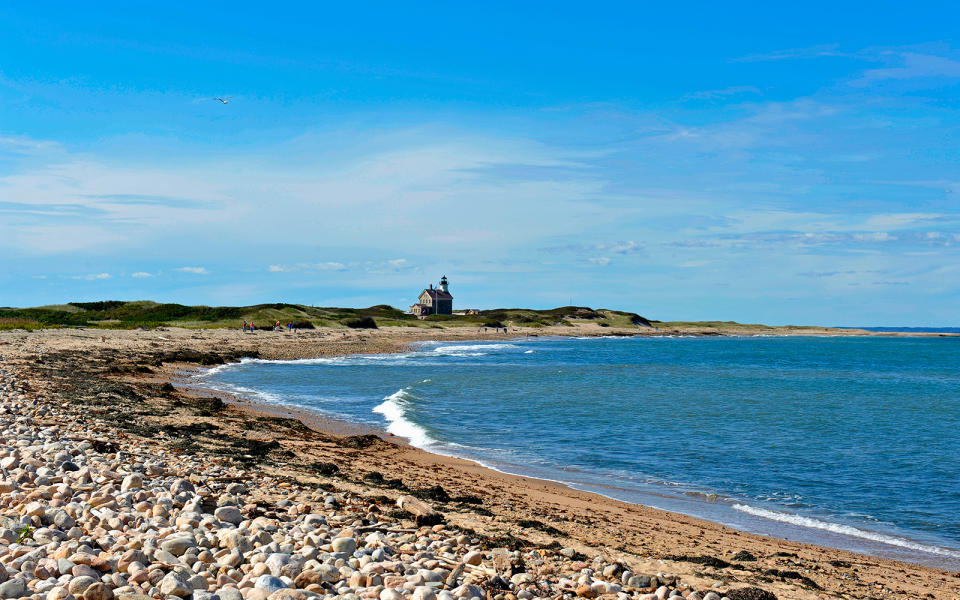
x,y
224,100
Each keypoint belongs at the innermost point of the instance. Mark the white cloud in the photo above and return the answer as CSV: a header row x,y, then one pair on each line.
x,y
140,274
92,276
319,266
912,65
600,261
194,270
726,92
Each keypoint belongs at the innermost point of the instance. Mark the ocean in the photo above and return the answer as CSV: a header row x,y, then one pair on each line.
x,y
847,442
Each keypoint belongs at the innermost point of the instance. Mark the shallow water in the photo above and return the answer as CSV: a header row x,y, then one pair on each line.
x,y
845,442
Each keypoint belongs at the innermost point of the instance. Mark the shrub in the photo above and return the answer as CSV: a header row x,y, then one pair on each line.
x,y
361,323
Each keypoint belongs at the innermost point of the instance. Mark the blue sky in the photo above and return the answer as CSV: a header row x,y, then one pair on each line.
x,y
701,161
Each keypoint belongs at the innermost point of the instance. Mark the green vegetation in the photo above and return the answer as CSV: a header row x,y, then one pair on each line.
x,y
724,325
117,314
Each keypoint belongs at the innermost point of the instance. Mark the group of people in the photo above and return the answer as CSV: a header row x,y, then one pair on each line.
x,y
276,327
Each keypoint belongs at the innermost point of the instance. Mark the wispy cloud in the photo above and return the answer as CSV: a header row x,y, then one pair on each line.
x,y
92,276
734,90
621,247
141,274
317,266
820,51
600,261
194,270
911,65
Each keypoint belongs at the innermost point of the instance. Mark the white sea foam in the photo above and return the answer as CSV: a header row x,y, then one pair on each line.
x,y
529,352
393,408
844,530
472,348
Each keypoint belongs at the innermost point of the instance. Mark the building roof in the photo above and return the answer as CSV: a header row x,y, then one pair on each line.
x,y
438,294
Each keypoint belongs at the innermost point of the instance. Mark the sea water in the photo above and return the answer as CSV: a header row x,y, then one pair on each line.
x,y
848,442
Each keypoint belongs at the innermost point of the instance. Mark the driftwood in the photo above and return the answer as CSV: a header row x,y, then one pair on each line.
x,y
422,512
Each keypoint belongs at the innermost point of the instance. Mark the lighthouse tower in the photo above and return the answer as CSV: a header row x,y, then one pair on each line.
x,y
443,284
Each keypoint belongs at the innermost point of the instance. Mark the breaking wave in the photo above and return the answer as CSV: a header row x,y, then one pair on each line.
x,y
847,530
394,410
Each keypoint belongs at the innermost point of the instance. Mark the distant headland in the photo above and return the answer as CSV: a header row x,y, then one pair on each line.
x,y
119,314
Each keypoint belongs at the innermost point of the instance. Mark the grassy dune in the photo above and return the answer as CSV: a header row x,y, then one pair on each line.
x,y
115,314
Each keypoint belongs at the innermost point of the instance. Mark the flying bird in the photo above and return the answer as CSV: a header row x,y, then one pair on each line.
x,y
224,100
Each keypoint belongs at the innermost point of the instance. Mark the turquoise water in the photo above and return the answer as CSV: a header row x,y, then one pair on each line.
x,y
849,442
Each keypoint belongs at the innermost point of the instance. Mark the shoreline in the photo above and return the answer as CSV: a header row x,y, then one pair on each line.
x,y
536,512
728,512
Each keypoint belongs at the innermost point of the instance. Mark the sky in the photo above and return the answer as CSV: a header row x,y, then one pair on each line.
x,y
697,161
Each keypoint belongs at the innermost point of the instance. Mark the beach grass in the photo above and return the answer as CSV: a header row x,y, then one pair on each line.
x,y
116,314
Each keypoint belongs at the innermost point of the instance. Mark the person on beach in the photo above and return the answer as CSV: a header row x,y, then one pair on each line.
x,y
245,326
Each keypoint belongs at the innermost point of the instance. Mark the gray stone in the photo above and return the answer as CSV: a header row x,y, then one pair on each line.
x,y
344,544
15,588
276,561
180,486
78,585
229,514
173,584
199,583
131,482
229,594
63,521
269,584
178,545
639,581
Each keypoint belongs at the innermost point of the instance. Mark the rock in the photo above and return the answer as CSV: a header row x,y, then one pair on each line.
x,y
424,593
58,593
78,585
98,591
229,594
473,557
344,544
390,594
62,520
522,578
174,585
15,588
198,582
586,591
287,594
181,486
131,482
235,540
639,581
269,584
229,514
568,552
131,556
177,546
276,561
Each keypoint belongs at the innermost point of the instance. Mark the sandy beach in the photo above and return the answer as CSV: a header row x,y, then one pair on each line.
x,y
116,386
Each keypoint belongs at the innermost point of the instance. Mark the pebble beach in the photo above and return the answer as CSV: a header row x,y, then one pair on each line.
x,y
117,484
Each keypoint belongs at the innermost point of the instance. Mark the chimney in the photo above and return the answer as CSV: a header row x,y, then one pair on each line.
x,y
431,286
